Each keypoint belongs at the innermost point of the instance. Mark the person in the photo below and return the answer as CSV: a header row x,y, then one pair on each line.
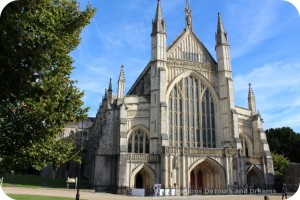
x,y
266,198
284,191
154,190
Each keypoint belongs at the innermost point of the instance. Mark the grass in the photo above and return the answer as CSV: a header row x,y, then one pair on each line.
x,y
33,181
36,197
36,181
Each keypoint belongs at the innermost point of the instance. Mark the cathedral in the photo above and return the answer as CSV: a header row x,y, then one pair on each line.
x,y
178,125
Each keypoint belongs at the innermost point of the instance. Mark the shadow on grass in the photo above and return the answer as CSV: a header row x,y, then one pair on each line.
x,y
36,181
36,197
33,181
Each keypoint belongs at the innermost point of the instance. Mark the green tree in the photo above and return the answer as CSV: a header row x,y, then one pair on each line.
x,y
280,163
37,96
284,141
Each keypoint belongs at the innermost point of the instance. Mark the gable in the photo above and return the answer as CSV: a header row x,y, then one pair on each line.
x,y
188,47
142,84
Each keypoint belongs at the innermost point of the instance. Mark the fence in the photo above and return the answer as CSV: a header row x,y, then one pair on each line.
x,y
184,191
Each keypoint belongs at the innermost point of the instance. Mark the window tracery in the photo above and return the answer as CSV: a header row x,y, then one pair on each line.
x,y
191,115
138,142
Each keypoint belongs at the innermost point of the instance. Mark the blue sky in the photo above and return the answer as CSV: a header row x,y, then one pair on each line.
x,y
264,36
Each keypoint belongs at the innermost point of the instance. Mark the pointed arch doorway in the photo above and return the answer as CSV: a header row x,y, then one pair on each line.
x,y
254,177
143,177
206,173
196,178
139,180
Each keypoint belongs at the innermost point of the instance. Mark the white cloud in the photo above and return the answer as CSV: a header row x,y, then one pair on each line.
x,y
250,24
277,92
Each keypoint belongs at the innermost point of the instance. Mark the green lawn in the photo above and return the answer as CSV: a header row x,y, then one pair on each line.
x,y
36,197
35,181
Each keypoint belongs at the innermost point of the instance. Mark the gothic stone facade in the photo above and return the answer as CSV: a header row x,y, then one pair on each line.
x,y
178,125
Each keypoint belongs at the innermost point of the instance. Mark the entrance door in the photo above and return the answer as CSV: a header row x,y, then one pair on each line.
x,y
254,179
143,178
196,180
207,174
139,180
199,180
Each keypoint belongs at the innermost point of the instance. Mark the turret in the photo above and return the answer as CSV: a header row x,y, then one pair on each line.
x,y
158,35
158,131
230,132
251,100
104,99
223,49
105,94
109,93
121,83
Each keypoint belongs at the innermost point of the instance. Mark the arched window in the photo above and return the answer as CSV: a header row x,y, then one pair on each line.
x,y
138,142
191,115
72,134
244,145
208,121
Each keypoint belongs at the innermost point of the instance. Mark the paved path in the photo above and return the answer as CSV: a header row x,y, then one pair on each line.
x,y
91,195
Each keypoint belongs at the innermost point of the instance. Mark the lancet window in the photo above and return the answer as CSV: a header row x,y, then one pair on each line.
x,y
138,142
191,115
244,145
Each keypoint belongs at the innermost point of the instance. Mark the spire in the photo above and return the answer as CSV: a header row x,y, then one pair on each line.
x,y
109,92
221,35
121,83
188,15
250,92
122,75
109,86
251,100
158,24
158,36
105,94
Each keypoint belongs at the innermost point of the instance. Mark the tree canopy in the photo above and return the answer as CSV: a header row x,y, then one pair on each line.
x,y
284,141
37,95
280,163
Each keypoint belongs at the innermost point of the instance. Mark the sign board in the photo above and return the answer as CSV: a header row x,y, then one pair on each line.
x,y
138,192
167,192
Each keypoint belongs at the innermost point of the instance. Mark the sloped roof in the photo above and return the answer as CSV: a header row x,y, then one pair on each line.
x,y
172,46
183,34
139,78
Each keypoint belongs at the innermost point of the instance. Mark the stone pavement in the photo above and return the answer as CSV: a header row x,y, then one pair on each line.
x,y
91,195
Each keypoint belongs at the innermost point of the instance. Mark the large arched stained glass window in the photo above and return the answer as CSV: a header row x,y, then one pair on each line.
x,y
191,115
138,142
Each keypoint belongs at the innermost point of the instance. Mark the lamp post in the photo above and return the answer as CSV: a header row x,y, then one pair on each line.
x,y
79,164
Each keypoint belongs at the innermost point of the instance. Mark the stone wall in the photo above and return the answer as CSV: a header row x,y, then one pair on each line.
x,y
292,176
